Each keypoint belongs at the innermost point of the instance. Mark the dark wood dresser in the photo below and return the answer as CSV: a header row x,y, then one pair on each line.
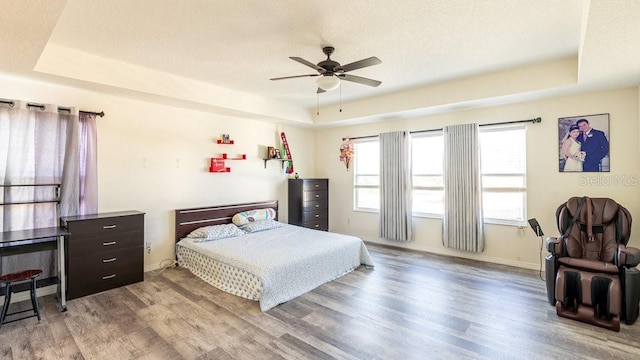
x,y
309,203
104,251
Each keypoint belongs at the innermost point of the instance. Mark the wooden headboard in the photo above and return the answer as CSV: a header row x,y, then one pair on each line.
x,y
188,220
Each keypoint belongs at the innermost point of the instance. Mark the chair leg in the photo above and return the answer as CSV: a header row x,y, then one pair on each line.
x,y
34,301
7,300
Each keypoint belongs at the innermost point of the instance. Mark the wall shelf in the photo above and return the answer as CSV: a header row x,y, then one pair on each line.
x,y
226,157
224,143
282,161
218,165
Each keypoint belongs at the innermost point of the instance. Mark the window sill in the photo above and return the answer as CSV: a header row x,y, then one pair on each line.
x,y
513,223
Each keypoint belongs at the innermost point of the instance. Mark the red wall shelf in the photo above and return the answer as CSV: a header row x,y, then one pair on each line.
x,y
225,143
226,157
217,163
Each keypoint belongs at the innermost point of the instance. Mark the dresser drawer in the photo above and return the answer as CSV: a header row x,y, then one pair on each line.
x,y
91,274
77,247
107,260
320,224
105,226
315,195
311,185
315,215
314,205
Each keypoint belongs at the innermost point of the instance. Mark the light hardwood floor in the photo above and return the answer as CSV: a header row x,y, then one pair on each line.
x,y
411,306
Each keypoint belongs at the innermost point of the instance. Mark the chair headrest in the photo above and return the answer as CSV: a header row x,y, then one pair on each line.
x,y
606,209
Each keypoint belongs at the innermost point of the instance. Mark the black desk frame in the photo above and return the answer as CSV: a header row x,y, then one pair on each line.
x,y
39,239
31,240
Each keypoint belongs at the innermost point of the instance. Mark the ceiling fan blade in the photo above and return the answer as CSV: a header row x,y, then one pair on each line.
x,y
360,64
294,76
320,91
360,80
308,63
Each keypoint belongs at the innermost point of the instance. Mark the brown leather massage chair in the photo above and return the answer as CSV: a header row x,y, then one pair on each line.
x,y
591,274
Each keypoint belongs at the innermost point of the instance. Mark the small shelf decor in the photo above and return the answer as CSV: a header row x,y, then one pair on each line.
x,y
218,165
225,139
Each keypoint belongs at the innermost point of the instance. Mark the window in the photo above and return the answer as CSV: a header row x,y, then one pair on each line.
x,y
503,156
428,190
366,172
503,160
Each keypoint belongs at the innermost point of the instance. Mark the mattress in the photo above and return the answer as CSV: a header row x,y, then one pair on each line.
x,y
273,266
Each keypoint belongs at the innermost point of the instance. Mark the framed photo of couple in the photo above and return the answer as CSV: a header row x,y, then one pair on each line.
x,y
584,143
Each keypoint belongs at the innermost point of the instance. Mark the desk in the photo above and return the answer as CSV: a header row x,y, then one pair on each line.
x,y
31,240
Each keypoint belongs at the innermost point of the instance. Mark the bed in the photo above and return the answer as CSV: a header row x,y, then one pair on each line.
x,y
271,266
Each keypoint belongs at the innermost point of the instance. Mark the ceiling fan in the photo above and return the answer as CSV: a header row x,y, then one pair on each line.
x,y
331,72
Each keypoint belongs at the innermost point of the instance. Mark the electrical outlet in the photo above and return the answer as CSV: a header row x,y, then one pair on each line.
x,y
148,247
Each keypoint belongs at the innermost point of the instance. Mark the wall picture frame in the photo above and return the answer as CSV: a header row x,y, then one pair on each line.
x,y
584,143
271,152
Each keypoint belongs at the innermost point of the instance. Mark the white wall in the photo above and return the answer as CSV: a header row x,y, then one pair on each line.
x,y
547,187
155,158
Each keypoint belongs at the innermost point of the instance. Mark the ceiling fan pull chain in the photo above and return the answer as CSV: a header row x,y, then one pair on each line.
x,y
340,96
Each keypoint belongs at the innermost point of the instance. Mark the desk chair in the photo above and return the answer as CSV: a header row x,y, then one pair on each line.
x,y
8,279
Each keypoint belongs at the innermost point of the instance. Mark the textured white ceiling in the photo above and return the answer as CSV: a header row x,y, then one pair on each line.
x,y
240,44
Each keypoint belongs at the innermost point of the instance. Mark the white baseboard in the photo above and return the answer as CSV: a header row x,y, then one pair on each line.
x,y
461,254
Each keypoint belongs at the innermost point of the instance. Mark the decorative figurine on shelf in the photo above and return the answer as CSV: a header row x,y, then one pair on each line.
x,y
277,154
347,151
296,176
226,139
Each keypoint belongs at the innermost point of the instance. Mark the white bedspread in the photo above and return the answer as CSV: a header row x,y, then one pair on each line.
x,y
289,260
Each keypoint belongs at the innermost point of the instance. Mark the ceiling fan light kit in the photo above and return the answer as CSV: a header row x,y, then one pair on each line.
x,y
328,82
330,72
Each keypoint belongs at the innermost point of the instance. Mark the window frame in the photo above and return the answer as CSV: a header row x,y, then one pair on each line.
x,y
518,190
355,177
523,190
425,188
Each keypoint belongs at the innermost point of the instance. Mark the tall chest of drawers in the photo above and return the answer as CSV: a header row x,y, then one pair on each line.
x,y
309,203
104,251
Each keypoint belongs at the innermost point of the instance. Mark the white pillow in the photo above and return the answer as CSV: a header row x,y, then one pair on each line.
x,y
245,217
260,225
215,232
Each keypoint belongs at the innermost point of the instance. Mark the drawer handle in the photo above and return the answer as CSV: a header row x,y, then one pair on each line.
x,y
318,215
317,185
109,243
108,277
317,205
317,225
317,195
109,227
109,260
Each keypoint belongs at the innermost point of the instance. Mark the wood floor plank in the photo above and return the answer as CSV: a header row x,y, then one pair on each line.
x,y
411,306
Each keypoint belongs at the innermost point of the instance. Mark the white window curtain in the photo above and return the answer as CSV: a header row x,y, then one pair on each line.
x,y
88,163
462,222
37,146
395,186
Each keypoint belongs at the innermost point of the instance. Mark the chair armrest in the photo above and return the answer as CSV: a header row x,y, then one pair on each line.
x,y
628,256
554,245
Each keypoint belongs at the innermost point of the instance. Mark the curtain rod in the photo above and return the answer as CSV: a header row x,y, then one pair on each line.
x,y
42,107
535,120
